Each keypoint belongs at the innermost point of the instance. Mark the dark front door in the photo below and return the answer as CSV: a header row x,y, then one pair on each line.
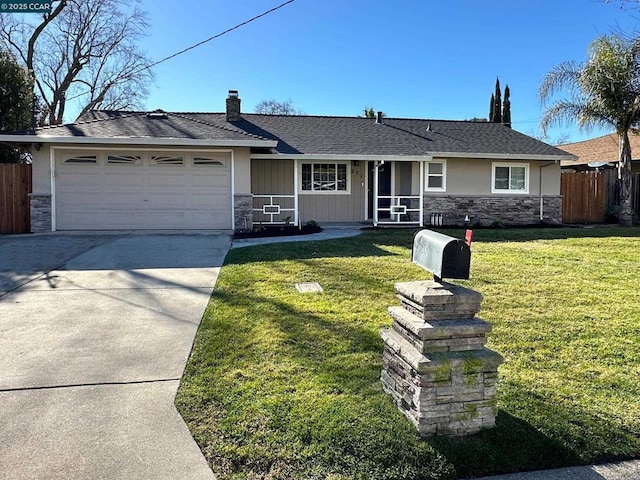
x,y
384,187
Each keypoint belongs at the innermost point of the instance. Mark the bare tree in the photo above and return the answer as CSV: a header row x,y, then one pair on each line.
x,y
274,107
85,50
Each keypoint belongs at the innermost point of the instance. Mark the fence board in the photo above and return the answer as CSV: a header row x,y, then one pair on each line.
x,y
584,197
635,193
15,186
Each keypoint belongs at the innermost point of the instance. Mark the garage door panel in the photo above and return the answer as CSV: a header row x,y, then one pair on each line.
x,y
168,201
165,179
131,219
83,180
208,201
124,198
123,179
111,196
210,180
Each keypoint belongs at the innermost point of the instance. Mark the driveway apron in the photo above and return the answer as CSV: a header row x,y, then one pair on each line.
x,y
95,332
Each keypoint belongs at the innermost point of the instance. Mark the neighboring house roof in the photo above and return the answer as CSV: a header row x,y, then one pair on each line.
x,y
600,149
308,135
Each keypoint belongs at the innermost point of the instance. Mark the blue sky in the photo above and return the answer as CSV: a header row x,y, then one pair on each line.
x,y
408,58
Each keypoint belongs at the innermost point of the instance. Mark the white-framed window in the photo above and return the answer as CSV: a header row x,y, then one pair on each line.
x,y
124,159
510,178
82,159
162,160
325,177
435,176
208,161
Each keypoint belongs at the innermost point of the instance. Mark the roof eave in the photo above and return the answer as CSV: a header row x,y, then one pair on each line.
x,y
187,142
505,156
337,156
426,157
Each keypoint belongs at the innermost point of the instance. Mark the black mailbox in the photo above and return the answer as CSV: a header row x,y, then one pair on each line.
x,y
442,255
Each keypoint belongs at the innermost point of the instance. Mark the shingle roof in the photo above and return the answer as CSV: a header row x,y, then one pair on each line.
x,y
599,149
394,136
313,135
158,124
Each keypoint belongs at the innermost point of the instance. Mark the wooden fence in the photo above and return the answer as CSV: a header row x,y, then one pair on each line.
x,y
635,193
584,197
15,186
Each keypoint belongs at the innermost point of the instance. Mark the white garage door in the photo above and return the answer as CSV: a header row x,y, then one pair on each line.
x,y
133,190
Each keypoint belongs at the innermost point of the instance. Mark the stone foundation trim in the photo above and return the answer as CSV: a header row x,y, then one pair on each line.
x,y
40,212
243,211
487,210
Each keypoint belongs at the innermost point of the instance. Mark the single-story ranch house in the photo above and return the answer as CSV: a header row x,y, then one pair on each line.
x,y
158,170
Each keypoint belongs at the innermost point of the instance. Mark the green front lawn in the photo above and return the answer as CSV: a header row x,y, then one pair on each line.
x,y
284,385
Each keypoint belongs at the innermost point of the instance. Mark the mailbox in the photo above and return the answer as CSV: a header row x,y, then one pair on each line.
x,y
442,255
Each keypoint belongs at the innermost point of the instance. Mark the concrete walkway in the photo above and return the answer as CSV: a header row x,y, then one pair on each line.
x,y
95,331
328,233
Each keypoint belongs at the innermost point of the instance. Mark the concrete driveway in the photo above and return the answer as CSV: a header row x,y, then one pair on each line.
x,y
95,331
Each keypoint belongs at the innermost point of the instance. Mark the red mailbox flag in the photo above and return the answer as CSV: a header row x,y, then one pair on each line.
x,y
468,238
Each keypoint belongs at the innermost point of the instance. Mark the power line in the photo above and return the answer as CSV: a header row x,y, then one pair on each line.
x,y
215,36
218,35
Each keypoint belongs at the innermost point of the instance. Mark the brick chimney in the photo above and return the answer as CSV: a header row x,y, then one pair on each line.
x,y
233,106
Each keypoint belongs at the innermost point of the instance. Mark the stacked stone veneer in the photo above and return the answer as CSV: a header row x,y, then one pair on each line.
x,y
243,211
485,210
436,365
40,212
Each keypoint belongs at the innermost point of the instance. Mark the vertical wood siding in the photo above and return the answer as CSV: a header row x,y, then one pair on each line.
x,y
276,177
272,177
329,208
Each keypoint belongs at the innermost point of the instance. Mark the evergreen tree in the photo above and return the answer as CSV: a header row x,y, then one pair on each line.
x,y
506,108
16,103
497,109
492,107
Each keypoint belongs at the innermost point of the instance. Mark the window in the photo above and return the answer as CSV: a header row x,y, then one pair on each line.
x,y
325,177
82,159
435,173
207,161
124,159
510,178
167,160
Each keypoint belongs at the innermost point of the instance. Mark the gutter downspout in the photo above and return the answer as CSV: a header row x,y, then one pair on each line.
x,y
541,184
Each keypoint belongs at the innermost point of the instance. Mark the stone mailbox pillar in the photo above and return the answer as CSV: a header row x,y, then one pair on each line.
x,y
436,365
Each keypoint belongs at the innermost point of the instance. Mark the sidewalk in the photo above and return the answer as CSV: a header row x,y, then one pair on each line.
x,y
629,470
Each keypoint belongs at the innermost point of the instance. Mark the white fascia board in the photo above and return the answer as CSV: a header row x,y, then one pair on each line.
x,y
503,156
427,157
186,142
339,157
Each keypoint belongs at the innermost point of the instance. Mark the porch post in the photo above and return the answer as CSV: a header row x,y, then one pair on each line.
x,y
421,193
375,193
295,193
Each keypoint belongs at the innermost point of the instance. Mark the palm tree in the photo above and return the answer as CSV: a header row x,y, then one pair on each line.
x,y
604,91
